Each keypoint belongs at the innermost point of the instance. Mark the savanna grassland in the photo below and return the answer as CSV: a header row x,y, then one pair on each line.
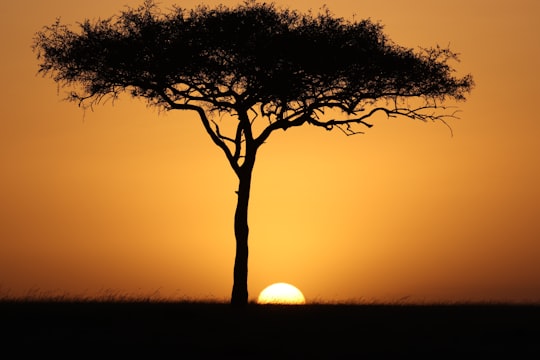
x,y
192,330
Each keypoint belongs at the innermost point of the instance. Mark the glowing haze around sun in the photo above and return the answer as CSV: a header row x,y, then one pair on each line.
x,y
281,293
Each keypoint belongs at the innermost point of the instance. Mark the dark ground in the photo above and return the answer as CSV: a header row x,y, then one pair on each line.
x,y
159,330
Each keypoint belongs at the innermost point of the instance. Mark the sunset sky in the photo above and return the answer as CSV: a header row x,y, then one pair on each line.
x,y
126,200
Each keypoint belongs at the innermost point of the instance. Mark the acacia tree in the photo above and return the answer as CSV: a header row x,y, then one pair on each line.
x,y
248,71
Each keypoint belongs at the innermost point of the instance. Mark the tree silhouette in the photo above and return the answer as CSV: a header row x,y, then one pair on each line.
x,y
259,68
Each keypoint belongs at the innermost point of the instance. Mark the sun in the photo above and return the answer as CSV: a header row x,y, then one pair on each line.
x,y
281,293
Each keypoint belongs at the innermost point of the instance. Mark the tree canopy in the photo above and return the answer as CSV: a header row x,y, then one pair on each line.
x,y
287,66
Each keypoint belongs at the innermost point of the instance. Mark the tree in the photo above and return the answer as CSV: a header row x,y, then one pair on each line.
x,y
263,67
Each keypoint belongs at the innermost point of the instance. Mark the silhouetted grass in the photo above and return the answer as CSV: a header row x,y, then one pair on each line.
x,y
201,329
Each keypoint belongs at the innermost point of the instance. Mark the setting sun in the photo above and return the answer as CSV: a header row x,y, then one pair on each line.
x,y
281,293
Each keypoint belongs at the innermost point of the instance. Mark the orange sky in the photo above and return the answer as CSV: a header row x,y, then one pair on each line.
x,y
128,201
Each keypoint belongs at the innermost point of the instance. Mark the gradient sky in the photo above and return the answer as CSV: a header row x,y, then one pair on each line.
x,y
128,201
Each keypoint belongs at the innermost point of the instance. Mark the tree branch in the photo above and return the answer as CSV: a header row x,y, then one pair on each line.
x,y
346,125
418,113
238,142
280,124
217,139
220,135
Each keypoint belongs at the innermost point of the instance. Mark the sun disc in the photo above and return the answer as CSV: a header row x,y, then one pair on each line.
x,y
281,293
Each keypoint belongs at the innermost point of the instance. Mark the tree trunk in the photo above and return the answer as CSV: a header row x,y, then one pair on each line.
x,y
239,296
